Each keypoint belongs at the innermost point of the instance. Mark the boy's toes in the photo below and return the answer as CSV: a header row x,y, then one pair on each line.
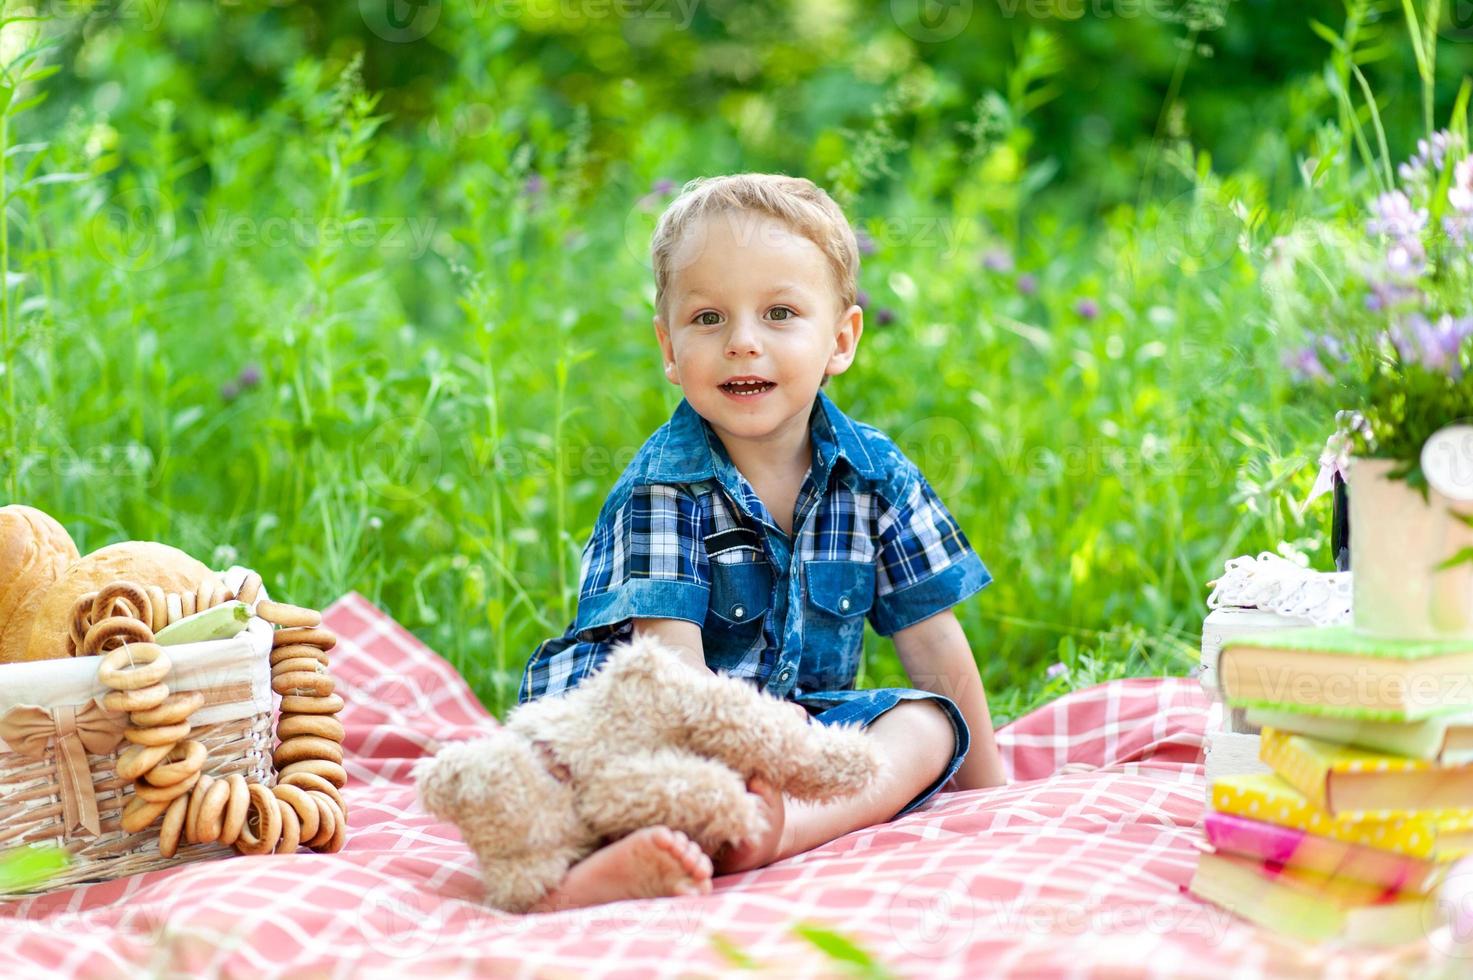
x,y
686,853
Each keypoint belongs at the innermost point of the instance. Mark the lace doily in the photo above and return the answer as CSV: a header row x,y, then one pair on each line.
x,y
1277,585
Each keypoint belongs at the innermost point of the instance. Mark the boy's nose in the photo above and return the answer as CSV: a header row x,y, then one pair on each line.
x,y
742,339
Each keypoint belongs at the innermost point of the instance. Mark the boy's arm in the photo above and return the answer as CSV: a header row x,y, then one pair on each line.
x,y
680,634
936,655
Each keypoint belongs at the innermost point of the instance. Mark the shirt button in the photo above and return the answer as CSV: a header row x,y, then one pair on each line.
x,y
785,673
738,612
844,602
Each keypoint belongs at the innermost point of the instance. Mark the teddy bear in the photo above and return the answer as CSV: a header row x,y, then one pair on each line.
x,y
645,740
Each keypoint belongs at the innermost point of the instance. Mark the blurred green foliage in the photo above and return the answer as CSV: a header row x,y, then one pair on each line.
x,y
358,294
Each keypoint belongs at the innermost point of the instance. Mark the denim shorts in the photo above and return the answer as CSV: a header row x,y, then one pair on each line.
x,y
866,706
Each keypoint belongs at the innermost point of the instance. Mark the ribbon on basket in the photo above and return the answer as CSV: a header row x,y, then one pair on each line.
x,y
78,730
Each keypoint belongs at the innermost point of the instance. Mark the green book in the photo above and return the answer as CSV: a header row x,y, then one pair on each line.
x,y
1339,672
1445,738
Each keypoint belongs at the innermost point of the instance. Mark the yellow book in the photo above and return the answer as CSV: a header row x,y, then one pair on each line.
x,y
1362,785
1264,796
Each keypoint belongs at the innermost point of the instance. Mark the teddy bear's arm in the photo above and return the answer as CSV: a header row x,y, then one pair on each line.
x,y
733,722
702,798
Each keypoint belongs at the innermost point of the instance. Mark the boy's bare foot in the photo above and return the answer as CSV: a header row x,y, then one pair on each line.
x,y
764,850
654,862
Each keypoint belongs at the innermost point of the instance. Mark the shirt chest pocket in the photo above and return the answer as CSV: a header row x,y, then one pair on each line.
x,y
839,593
741,596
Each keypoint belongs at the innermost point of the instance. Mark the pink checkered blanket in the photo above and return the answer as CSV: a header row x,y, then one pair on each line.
x,y
1074,868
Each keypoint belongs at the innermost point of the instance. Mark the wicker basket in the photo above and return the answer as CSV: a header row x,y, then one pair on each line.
x,y
235,724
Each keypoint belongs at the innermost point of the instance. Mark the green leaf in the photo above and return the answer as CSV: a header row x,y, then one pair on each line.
x,y
31,866
1465,518
1327,35
841,949
1464,557
732,953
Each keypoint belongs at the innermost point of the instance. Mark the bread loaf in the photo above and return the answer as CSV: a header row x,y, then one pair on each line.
x,y
49,611
34,551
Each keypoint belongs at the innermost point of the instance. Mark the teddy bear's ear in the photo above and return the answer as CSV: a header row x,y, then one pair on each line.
x,y
461,774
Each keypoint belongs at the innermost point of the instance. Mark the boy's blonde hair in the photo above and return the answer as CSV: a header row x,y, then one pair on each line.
x,y
796,201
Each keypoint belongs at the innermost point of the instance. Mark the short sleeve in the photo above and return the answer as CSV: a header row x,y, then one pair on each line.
x,y
925,563
645,558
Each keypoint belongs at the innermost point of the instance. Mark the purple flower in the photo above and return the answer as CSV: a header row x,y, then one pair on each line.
x,y
862,298
1393,216
1057,670
1459,228
534,185
662,186
229,391
1027,284
1331,346
1385,295
1460,194
1304,365
997,260
884,316
1087,308
1430,157
249,376
1435,346
865,241
1406,258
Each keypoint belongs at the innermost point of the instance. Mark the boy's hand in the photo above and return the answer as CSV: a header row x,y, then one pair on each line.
x,y
766,848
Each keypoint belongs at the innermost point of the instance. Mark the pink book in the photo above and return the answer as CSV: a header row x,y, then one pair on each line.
x,y
1325,855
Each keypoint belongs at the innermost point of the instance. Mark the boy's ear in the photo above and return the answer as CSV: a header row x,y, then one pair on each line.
x,y
846,340
667,350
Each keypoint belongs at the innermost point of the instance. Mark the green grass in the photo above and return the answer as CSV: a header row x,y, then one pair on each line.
x,y
454,364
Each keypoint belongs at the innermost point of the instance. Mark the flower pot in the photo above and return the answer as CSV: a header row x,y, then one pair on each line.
x,y
1397,540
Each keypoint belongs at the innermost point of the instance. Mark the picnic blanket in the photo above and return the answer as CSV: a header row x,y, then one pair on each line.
x,y
1075,868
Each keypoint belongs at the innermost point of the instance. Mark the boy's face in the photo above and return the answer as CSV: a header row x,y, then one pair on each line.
x,y
751,299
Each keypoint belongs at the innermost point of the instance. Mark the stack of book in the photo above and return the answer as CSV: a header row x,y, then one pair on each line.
x,y
1370,795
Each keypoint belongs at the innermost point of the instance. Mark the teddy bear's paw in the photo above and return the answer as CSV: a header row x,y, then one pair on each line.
x,y
741,819
835,761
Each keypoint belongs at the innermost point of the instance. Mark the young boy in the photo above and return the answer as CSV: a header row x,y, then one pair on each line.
x,y
758,529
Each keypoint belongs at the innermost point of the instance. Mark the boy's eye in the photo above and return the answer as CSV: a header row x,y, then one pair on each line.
x,y
701,318
782,309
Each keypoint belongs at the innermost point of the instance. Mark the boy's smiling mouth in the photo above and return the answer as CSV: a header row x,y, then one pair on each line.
x,y
747,386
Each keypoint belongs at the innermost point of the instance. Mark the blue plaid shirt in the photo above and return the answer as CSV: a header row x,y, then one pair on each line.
x,y
683,535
